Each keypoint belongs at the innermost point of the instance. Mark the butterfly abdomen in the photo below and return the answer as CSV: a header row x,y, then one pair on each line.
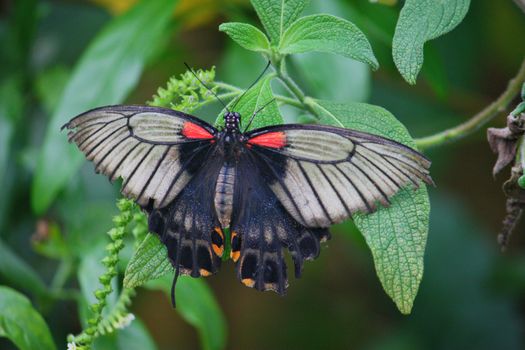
x,y
224,194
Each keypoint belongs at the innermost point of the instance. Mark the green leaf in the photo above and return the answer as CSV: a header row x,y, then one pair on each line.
x,y
150,261
21,323
197,305
107,71
396,235
277,15
327,33
247,36
19,274
257,97
419,22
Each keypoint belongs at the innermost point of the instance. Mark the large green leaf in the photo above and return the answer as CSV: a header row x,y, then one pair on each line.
x,y
21,323
105,74
277,15
419,22
197,305
396,235
247,36
150,261
327,33
259,96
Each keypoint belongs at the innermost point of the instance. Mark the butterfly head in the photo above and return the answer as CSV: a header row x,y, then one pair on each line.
x,y
231,121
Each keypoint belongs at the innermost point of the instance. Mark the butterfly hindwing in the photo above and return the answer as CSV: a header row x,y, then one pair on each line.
x,y
188,226
154,150
262,230
322,174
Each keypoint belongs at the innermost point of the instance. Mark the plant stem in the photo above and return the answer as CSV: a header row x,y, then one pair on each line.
x,y
302,101
282,74
478,120
87,336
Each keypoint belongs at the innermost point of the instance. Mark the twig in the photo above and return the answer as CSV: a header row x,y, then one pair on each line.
x,y
478,120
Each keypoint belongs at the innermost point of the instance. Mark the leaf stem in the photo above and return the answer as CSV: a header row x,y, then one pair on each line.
x,y
481,118
302,101
282,74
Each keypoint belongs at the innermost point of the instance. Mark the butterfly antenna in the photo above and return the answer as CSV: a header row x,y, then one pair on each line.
x,y
206,86
255,82
255,113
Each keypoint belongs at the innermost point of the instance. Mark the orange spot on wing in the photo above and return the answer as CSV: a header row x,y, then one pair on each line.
x,y
218,250
235,255
248,282
194,131
275,139
204,273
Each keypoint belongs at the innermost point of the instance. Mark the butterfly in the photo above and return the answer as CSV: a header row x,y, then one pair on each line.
x,y
275,188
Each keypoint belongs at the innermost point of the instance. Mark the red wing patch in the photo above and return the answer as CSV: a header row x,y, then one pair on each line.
x,y
194,131
276,139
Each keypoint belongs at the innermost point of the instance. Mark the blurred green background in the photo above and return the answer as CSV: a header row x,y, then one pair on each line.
x,y
472,296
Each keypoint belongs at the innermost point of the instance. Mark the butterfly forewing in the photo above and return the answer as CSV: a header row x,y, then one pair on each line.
x,y
155,151
322,174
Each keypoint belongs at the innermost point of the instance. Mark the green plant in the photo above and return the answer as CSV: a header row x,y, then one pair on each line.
x,y
396,235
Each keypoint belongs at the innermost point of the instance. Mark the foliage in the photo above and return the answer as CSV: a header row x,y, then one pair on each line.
x,y
21,323
317,63
186,93
419,22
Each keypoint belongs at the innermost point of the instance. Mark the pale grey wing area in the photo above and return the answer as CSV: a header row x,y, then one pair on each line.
x,y
323,175
149,148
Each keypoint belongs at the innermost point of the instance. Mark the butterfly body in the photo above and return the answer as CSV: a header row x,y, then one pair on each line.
x,y
276,188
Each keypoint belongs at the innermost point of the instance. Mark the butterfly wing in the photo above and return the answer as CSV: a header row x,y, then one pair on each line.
x,y
169,164
262,229
189,226
322,174
155,151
